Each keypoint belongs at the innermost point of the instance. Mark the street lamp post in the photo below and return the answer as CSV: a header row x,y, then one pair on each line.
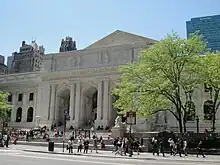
x,y
64,128
197,124
131,120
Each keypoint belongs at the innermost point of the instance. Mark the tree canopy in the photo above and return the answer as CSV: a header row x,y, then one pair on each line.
x,y
5,108
210,73
164,76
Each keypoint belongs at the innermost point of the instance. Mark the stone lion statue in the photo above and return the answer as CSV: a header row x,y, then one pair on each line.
x,y
118,122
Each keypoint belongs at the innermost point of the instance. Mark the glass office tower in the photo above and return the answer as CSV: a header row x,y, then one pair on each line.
x,y
209,27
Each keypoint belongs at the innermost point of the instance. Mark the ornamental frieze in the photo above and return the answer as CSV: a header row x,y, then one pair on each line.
x,y
88,60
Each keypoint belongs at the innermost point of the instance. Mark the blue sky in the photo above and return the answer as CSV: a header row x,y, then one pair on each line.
x,y
89,20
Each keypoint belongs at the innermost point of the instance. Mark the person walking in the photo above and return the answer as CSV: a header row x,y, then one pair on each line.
x,y
86,146
155,146
70,146
172,145
79,145
178,147
184,147
200,149
95,144
162,146
6,140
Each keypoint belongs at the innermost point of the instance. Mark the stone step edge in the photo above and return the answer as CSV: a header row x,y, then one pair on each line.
x,y
122,157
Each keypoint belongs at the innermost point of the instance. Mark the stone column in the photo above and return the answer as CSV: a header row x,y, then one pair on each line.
x,y
72,102
13,110
24,107
57,109
77,104
52,102
106,103
98,121
110,112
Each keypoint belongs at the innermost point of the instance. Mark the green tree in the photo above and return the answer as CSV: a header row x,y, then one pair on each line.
x,y
164,76
5,108
210,72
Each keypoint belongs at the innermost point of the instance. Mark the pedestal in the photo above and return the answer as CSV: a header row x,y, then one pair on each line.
x,y
118,132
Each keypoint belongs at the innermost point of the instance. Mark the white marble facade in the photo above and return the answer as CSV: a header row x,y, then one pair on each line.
x,y
81,82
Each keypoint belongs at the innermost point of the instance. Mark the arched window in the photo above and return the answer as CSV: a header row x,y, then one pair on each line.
x,y
19,114
207,108
190,111
30,114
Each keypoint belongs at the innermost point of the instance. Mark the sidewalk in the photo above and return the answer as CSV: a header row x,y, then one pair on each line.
x,y
57,145
109,154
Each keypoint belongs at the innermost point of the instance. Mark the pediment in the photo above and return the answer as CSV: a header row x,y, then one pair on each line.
x,y
121,38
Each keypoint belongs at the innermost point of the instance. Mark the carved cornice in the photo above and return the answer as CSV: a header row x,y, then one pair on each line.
x,y
13,78
75,74
91,51
75,81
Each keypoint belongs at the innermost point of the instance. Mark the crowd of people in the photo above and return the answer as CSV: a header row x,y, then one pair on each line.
x,y
83,144
176,146
122,145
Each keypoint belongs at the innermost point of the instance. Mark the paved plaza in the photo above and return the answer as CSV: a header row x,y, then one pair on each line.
x,y
31,155
11,157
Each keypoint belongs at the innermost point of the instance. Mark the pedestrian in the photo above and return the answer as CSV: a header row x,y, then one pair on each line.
x,y
70,146
184,147
6,140
86,146
155,146
79,145
200,149
130,146
178,147
95,144
119,144
115,142
123,146
172,145
162,146
27,136
15,139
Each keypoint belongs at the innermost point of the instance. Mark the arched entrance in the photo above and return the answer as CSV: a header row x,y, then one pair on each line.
x,y
208,109
18,114
90,106
63,98
190,111
30,114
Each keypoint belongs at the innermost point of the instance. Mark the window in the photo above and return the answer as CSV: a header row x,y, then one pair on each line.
x,y
10,98
30,114
31,96
19,114
9,114
207,88
190,111
208,108
20,96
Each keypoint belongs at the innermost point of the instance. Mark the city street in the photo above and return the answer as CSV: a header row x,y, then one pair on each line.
x,y
11,157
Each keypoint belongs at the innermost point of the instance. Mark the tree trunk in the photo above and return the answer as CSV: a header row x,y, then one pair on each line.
x,y
214,109
179,108
213,122
184,125
180,121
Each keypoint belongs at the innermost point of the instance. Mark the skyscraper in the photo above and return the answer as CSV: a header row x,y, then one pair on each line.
x,y
9,61
3,67
209,27
29,58
67,45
